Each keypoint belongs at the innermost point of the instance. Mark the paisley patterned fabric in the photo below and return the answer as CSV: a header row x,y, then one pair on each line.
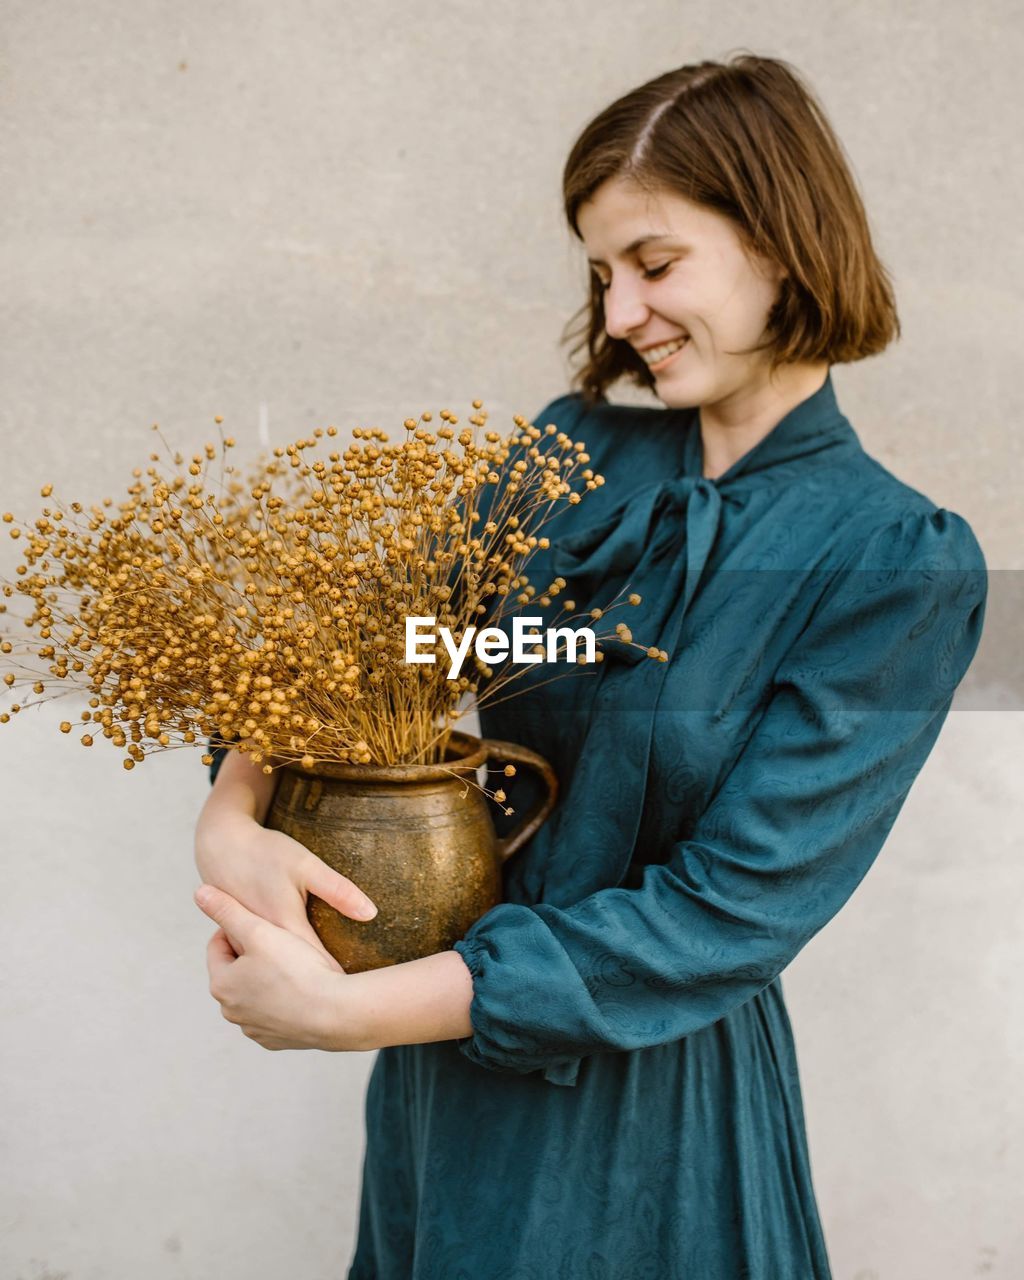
x,y
628,1104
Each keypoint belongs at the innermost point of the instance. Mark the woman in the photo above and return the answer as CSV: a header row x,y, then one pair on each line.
x,y
599,1080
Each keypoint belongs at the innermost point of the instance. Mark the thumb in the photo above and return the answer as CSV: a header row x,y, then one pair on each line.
x,y
338,891
238,922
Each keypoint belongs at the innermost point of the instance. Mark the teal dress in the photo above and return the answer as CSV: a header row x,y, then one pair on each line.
x,y
628,1105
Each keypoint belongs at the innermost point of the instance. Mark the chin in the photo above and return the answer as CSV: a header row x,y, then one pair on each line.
x,y
680,393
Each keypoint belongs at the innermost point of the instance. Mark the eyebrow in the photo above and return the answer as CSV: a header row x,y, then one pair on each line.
x,y
632,247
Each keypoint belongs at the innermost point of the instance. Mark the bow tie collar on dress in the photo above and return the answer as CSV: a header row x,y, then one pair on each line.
x,y
662,535
666,529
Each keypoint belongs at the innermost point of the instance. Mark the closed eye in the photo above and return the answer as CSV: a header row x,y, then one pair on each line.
x,y
653,274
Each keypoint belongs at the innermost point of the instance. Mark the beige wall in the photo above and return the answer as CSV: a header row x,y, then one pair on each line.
x,y
309,213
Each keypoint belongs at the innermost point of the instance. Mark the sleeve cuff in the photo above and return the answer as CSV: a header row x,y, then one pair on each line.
x,y
481,1047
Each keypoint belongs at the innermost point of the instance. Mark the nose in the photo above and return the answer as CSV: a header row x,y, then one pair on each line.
x,y
625,311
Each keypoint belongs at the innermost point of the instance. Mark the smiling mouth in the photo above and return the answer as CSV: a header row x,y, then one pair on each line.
x,y
658,356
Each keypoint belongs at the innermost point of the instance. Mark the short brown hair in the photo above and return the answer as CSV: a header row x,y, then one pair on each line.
x,y
746,139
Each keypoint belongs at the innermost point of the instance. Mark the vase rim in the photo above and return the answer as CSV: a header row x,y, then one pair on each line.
x,y
465,753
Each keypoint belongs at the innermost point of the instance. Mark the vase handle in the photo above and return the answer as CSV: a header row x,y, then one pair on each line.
x,y
513,752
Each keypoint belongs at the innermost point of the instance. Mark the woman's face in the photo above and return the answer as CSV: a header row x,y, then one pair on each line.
x,y
676,271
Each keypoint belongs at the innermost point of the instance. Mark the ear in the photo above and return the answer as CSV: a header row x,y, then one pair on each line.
x,y
775,271
769,269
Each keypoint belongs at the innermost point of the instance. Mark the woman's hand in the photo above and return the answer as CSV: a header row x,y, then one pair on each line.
x,y
268,969
267,871
283,992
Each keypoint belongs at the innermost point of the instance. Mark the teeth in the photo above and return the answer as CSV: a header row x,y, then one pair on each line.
x,y
659,353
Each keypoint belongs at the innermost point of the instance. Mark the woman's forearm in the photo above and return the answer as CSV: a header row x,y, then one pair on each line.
x,y
416,1002
240,788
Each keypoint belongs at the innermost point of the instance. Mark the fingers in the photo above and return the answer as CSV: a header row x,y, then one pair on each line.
x,y
337,890
219,949
238,923
220,955
308,934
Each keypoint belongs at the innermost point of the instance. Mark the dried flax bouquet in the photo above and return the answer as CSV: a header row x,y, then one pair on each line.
x,y
270,614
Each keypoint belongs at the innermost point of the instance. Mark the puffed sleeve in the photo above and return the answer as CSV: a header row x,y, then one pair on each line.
x,y
854,711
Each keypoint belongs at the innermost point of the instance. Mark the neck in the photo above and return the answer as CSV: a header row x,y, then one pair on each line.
x,y
733,426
